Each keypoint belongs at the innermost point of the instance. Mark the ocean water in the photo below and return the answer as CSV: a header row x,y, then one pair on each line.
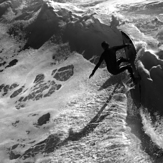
x,y
50,111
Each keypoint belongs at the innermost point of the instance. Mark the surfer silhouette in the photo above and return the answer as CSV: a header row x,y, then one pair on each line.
x,y
113,65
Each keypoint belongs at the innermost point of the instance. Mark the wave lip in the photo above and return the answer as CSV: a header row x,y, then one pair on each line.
x,y
66,23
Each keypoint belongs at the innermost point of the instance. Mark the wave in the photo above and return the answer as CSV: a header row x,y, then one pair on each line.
x,y
68,24
43,23
150,67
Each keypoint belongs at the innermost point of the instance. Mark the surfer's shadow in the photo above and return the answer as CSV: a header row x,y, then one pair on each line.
x,y
94,122
90,127
114,79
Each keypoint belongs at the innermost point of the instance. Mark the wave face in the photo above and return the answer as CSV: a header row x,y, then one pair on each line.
x,y
67,23
50,111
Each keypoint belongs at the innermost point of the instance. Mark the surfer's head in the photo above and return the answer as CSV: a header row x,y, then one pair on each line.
x,y
104,45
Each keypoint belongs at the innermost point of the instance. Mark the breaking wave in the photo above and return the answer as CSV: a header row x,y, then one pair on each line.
x,y
43,24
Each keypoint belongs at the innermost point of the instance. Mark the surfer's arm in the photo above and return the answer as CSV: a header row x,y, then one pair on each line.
x,y
97,65
120,47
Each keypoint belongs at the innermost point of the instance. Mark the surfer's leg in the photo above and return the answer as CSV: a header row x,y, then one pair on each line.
x,y
120,60
129,68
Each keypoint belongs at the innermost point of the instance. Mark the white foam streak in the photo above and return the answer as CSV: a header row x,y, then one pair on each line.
x,y
150,129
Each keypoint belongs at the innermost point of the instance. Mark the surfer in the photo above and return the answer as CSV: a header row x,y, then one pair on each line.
x,y
113,65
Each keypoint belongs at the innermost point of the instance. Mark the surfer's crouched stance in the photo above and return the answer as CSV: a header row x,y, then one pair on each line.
x,y
113,65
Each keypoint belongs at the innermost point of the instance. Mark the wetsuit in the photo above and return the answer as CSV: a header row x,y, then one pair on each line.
x,y
113,65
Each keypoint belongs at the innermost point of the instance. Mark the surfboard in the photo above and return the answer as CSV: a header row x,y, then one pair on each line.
x,y
130,51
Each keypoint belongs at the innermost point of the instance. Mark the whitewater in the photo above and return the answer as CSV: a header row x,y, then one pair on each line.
x,y
50,111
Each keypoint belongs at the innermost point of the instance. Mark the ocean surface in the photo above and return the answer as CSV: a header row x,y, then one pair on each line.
x,y
50,111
